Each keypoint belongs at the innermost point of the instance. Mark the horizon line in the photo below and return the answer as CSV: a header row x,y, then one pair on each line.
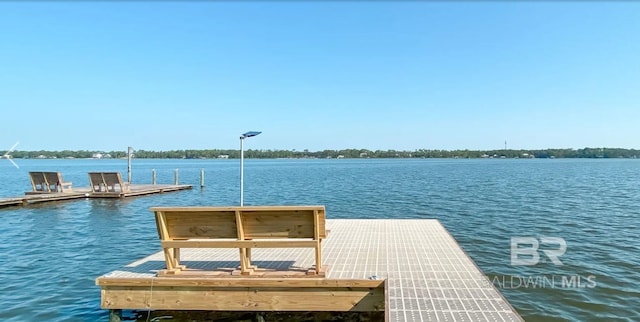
x,y
336,150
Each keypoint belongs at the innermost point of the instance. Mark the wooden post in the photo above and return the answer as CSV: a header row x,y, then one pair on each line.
x,y
175,177
201,178
129,154
153,176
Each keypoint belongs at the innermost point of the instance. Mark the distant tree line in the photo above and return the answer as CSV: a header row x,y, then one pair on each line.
x,y
348,153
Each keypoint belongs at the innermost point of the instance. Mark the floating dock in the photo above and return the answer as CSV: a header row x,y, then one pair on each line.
x,y
412,269
85,192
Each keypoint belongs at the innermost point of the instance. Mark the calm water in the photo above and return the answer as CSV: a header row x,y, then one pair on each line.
x,y
52,253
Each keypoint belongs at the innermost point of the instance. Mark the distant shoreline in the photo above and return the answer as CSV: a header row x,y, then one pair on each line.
x,y
590,153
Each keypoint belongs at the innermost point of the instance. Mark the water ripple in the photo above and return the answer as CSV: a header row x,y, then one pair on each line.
x,y
55,251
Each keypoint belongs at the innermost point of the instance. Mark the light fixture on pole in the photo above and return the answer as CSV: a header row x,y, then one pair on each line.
x,y
242,137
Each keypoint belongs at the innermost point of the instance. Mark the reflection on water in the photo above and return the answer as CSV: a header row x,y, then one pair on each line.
x,y
53,252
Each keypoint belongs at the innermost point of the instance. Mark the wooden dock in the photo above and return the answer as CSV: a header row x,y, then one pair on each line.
x,y
31,197
411,269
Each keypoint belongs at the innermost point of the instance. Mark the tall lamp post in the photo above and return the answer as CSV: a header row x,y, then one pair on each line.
x,y
242,137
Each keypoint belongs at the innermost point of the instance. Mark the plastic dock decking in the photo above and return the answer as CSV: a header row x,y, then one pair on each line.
x,y
412,269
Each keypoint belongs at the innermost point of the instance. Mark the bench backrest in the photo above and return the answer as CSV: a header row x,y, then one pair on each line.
x,y
45,181
95,179
37,177
106,181
249,222
113,178
53,178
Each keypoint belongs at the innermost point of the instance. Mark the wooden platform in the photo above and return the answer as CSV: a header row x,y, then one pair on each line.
x,y
413,270
6,202
31,197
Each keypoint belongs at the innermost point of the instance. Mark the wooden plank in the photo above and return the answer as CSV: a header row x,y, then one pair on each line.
x,y
131,193
11,202
245,260
248,299
184,224
238,223
278,224
294,243
316,236
233,208
161,223
106,195
252,271
237,282
52,197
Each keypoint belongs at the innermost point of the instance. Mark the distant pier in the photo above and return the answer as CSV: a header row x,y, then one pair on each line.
x,y
86,192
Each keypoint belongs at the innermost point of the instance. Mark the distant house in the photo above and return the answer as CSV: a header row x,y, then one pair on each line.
x,y
223,156
101,156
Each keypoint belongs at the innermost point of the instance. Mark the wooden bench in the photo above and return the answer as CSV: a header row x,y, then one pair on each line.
x,y
240,227
107,182
46,182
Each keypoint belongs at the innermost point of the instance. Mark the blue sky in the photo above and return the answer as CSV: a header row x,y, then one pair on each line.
x,y
319,75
